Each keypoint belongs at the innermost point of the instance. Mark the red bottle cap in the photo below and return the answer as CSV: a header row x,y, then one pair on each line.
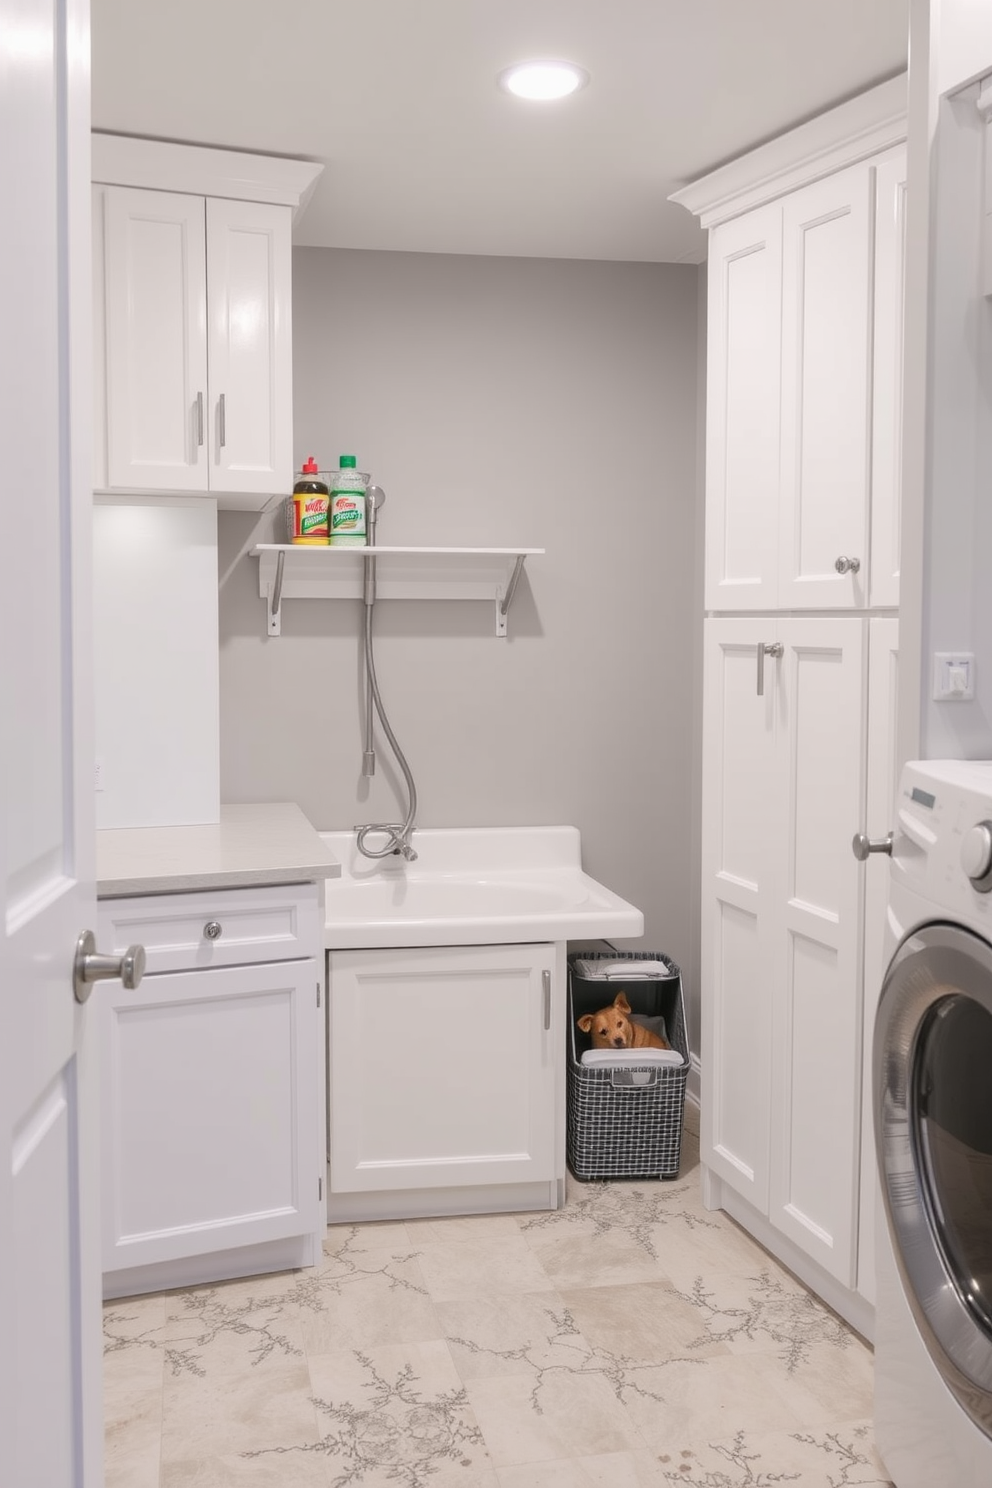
x,y
310,468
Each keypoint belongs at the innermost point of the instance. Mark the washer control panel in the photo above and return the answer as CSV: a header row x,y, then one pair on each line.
x,y
942,835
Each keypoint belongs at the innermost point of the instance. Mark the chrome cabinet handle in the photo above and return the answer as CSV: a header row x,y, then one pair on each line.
x,y
222,419
89,967
766,648
863,846
212,929
847,565
199,418
546,982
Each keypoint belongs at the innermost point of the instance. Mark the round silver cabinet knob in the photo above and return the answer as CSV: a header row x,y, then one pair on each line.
x,y
862,846
212,929
976,854
847,565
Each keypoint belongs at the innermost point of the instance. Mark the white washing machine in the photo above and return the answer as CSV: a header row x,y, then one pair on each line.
x,y
932,1096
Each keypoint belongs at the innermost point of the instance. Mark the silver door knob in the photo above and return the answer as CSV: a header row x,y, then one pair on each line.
x,y
89,967
862,846
847,565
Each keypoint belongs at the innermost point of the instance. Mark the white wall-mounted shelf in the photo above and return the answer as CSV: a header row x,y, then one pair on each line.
x,y
288,571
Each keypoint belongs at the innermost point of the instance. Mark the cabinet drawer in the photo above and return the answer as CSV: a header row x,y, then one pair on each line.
x,y
281,923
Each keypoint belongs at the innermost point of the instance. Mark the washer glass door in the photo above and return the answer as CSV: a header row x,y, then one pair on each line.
x,y
932,1064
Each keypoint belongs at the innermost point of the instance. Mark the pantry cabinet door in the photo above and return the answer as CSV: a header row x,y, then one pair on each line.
x,y
826,340
251,362
886,459
883,776
743,826
743,414
815,971
443,1067
155,291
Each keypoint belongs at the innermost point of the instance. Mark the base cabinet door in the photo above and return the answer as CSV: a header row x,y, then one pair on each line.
x,y
442,1067
210,1111
783,787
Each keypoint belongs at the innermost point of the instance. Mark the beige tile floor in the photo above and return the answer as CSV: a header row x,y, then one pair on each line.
x,y
632,1340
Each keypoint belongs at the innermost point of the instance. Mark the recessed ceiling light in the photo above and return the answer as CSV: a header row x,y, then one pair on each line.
x,y
544,81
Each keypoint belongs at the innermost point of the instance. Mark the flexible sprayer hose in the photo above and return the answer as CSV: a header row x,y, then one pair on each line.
x,y
398,836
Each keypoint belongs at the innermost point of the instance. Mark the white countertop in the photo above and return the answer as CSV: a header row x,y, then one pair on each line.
x,y
272,843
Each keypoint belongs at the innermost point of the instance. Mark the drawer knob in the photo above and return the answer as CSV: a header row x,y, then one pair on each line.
x,y
212,929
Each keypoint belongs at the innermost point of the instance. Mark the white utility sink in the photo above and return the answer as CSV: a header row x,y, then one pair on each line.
x,y
471,886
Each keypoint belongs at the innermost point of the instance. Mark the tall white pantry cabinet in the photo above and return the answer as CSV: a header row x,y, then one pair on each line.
x,y
803,433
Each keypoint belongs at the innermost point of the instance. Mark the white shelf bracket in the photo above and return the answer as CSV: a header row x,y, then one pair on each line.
x,y
275,598
504,601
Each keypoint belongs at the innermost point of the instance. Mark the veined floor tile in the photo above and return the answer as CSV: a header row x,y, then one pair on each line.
x,y
308,1471
397,1414
364,1298
470,1268
613,1470
711,1398
240,1325
227,1414
553,1415
383,1234
812,1459
133,1382
641,1321
523,1333
463,1227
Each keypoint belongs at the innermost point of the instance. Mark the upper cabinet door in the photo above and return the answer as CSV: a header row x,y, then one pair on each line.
x,y
251,395
743,411
156,340
826,343
886,459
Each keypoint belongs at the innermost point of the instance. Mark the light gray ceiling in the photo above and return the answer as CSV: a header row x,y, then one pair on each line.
x,y
422,151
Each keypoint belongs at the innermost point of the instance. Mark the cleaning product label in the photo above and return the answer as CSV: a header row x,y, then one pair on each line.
x,y
348,517
308,519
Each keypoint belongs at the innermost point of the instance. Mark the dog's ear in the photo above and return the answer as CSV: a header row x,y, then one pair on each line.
x,y
585,1022
621,1004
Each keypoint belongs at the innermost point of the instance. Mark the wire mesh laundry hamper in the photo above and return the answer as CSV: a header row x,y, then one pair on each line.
x,y
626,1122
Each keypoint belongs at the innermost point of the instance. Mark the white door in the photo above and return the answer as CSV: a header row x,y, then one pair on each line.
x,y
816,967
156,319
826,309
250,429
50,1375
743,829
742,411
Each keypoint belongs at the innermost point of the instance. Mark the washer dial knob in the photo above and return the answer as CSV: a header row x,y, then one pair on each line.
x,y
976,854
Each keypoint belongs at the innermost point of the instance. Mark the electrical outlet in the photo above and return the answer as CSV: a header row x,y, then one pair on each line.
x,y
98,781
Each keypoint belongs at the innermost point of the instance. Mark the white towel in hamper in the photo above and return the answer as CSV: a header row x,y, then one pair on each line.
x,y
631,1058
604,971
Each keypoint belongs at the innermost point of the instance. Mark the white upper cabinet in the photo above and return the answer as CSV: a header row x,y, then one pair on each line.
x,y
826,339
804,399
743,411
193,322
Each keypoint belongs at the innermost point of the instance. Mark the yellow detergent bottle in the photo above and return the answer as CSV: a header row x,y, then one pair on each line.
x,y
348,489
307,509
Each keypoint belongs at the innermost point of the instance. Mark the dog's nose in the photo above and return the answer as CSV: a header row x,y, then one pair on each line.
x,y
618,1041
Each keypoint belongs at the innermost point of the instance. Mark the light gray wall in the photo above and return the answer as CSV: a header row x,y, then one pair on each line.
x,y
497,401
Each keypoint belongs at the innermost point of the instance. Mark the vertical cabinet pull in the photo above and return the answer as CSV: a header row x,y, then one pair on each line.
x,y
199,418
766,648
546,984
222,419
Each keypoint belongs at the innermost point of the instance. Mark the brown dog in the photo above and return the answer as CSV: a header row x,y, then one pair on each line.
x,y
611,1028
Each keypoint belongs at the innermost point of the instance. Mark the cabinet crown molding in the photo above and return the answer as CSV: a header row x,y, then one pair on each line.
x,y
863,126
200,170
